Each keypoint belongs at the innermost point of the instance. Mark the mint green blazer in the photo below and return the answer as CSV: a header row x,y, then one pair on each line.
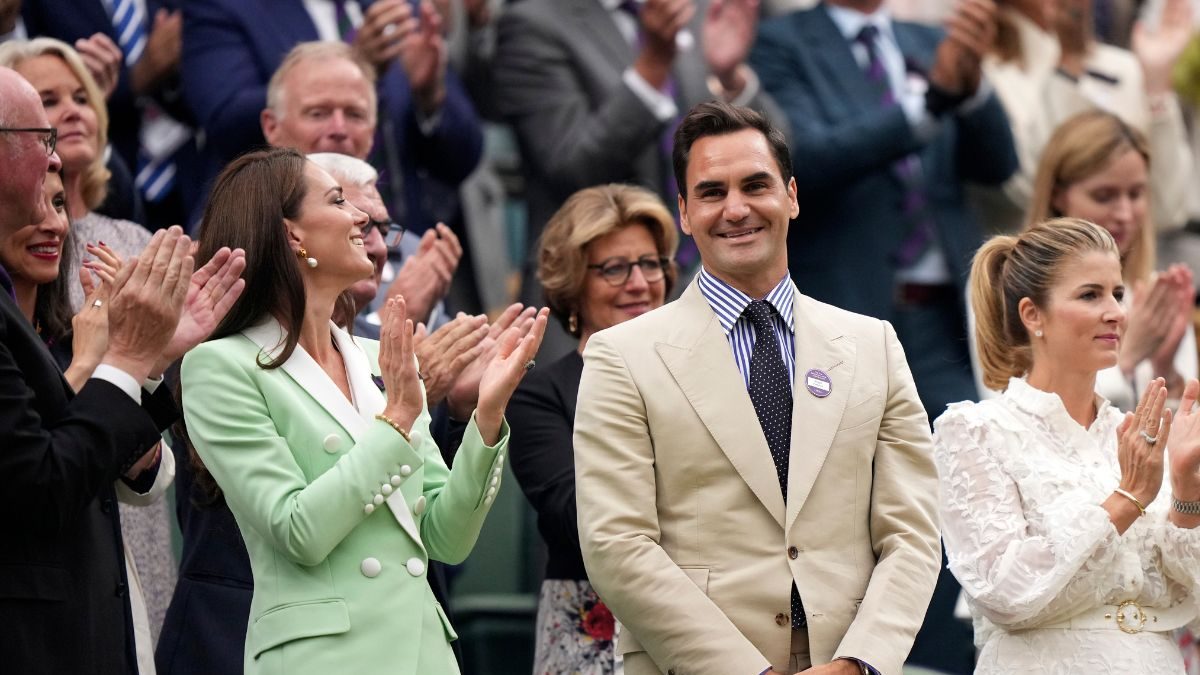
x,y
340,515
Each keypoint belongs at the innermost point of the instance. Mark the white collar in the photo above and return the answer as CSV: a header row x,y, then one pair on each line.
x,y
850,22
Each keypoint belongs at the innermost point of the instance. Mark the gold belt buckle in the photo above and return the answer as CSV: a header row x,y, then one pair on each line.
x,y
1131,618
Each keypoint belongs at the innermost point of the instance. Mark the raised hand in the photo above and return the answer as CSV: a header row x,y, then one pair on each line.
x,y
425,276
385,24
1140,441
464,393
398,365
513,358
1159,50
1163,359
661,21
443,355
161,57
211,292
89,329
1183,446
729,29
103,59
423,56
1151,315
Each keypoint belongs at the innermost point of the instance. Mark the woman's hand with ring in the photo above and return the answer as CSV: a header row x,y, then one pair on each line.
x,y
1183,446
1138,450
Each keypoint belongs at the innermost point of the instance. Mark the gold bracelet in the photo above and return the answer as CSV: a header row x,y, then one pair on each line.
x,y
400,430
1128,495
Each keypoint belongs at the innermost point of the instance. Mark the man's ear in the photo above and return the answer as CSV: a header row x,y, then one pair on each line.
x,y
683,219
795,206
269,124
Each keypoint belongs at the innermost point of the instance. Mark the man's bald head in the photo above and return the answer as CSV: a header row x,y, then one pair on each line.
x,y
22,153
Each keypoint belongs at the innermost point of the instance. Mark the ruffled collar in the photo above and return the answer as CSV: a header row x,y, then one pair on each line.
x,y
1047,405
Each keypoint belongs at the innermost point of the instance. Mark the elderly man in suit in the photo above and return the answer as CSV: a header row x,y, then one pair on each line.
x,y
755,486
890,121
64,603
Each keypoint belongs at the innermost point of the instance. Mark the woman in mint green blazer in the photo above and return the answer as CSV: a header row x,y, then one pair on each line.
x,y
320,441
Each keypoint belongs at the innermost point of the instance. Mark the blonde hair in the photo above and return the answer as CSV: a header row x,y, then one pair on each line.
x,y
317,51
95,176
1080,148
1008,269
586,216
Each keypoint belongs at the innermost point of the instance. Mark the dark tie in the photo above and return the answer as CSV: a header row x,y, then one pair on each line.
x,y
345,27
771,394
908,169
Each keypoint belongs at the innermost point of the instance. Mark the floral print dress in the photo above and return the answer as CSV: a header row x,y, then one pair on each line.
x,y
574,630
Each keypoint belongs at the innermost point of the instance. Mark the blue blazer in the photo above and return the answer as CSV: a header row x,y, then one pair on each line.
x,y
232,47
841,248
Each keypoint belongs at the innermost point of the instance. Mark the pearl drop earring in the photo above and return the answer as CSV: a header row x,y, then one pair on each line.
x,y
303,255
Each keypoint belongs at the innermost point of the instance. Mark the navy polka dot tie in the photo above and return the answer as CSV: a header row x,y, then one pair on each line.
x,y
771,394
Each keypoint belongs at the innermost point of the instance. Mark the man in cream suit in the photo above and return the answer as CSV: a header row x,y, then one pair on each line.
x,y
755,486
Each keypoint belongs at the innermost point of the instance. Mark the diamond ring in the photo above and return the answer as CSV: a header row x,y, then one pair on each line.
x,y
1149,439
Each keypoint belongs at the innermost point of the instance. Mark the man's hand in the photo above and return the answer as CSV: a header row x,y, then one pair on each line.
x,y
464,393
211,292
729,28
424,277
160,59
970,34
10,11
661,21
423,56
444,354
385,24
103,59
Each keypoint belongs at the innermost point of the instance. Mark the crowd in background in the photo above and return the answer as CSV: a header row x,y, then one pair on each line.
x,y
498,153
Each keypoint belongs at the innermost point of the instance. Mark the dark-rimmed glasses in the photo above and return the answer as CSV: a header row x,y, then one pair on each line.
x,y
616,271
49,136
390,230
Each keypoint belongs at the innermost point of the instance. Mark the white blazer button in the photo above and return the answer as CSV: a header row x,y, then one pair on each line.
x,y
386,489
377,500
497,472
419,505
369,509
371,567
332,443
500,458
415,567
396,480
406,471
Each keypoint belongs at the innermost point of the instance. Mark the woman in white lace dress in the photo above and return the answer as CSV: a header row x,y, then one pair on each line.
x,y
1072,558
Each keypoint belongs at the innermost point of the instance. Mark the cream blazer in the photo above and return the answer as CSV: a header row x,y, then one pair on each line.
x,y
684,530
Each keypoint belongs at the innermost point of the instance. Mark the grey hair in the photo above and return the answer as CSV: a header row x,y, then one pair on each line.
x,y
347,169
316,51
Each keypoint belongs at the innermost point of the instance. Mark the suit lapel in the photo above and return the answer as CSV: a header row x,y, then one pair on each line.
x,y
591,19
701,362
815,420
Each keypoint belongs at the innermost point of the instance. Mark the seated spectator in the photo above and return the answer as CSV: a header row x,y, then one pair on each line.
x,y
64,596
1046,66
1097,168
604,258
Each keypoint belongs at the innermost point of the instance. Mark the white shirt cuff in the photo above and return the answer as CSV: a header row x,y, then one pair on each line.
x,y
150,384
924,125
660,105
976,100
120,379
750,90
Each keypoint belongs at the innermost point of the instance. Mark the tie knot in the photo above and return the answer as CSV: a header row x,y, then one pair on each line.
x,y
759,312
631,7
868,35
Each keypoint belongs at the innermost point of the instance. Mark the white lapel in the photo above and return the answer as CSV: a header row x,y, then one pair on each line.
x,y
307,373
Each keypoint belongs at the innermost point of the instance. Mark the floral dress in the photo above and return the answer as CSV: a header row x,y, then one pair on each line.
x,y
574,630
1021,488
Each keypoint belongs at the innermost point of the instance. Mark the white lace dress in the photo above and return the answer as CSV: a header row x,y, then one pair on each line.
x,y
1021,485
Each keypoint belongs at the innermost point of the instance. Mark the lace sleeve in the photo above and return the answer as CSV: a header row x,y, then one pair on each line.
x,y
1180,550
1017,576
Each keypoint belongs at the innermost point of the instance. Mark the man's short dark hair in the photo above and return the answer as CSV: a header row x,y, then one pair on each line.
x,y
717,118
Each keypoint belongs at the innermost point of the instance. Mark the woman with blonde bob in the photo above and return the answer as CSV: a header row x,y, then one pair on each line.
x,y
1052,517
605,258
1097,167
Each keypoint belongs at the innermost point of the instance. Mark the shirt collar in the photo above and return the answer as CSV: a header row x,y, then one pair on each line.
x,y
728,303
850,22
610,5
1043,403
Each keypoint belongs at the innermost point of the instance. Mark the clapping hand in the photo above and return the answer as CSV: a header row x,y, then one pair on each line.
x,y
398,365
1183,446
385,24
1140,441
513,358
89,327
444,354
970,34
464,392
211,293
103,59
1152,315
425,276
729,28
1158,51
423,55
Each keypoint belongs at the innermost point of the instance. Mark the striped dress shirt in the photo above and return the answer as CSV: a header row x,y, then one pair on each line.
x,y
728,303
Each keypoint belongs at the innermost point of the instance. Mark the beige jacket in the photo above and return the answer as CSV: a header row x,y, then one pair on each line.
x,y
684,531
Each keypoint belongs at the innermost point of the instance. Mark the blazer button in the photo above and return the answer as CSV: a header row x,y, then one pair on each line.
x,y
406,471
415,567
782,619
419,506
386,489
332,443
371,567
793,552
396,481
369,509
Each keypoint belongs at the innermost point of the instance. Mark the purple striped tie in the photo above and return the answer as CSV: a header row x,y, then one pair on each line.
x,y
907,169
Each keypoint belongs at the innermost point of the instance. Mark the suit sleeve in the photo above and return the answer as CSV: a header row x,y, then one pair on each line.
x,y
452,151
569,141
675,622
543,461
903,523
221,82
987,153
51,470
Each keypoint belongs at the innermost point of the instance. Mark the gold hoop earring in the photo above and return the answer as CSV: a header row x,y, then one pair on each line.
x,y
303,255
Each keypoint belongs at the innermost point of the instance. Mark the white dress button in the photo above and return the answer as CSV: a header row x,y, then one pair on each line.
x,y
386,489
332,443
419,505
415,567
377,500
406,471
396,480
369,509
371,567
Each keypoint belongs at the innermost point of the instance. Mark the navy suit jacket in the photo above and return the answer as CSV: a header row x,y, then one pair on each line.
x,y
232,47
841,248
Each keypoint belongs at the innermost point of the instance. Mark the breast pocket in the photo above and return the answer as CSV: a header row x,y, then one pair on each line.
x,y
865,410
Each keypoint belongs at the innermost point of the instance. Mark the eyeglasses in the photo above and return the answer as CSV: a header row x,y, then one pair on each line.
x,y
49,136
390,230
616,271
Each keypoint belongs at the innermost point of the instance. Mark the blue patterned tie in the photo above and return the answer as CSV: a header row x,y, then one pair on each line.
x,y
129,21
771,394
908,169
